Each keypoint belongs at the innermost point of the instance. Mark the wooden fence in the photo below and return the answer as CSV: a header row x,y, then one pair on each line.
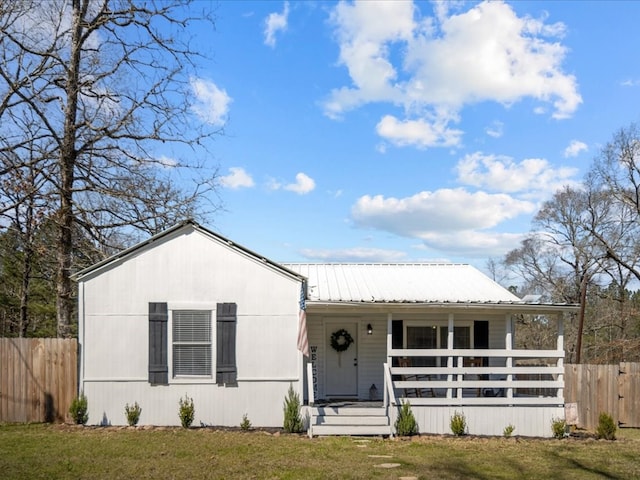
x,y
38,379
613,389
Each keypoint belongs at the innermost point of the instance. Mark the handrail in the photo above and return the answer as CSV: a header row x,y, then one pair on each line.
x,y
310,395
389,393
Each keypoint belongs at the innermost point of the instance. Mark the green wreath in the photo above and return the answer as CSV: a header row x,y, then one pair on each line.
x,y
341,340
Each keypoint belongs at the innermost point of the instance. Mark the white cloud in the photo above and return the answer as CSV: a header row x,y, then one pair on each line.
x,y
474,243
358,255
436,67
630,83
419,133
574,148
303,184
212,103
274,23
167,162
444,210
452,220
502,173
495,130
238,178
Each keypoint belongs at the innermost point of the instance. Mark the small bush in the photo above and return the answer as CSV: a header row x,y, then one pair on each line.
x,y
508,431
187,411
606,427
133,413
559,427
406,423
79,409
292,420
458,424
245,424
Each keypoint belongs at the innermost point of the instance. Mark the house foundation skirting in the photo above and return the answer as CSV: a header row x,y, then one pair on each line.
x,y
534,421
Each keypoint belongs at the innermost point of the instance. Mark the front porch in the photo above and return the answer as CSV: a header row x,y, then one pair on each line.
x,y
492,387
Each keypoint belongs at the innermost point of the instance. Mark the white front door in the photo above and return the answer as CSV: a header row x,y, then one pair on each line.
x,y
341,366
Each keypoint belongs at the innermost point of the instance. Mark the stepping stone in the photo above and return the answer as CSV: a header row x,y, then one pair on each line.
x,y
387,465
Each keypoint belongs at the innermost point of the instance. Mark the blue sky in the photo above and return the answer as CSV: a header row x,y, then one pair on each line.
x,y
400,131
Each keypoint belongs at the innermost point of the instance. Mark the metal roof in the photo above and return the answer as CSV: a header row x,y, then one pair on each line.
x,y
400,283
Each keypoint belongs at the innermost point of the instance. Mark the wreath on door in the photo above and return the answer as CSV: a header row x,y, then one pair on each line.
x,y
341,340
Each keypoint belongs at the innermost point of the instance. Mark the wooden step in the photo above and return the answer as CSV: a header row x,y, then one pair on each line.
x,y
351,430
349,411
382,420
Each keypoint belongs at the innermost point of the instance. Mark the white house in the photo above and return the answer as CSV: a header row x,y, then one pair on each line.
x,y
189,312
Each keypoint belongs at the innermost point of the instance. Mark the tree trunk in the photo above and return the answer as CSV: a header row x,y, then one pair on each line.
x,y
67,162
583,303
27,262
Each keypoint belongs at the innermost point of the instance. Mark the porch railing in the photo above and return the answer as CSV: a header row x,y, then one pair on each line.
x,y
477,376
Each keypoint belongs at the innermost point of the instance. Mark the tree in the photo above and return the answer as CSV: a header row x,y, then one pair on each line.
x,y
105,88
615,175
560,258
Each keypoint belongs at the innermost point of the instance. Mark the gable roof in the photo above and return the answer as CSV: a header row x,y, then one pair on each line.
x,y
177,229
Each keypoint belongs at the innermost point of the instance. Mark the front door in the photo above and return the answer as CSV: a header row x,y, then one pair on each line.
x,y
341,359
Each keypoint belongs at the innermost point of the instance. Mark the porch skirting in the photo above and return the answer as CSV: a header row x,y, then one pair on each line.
x,y
529,421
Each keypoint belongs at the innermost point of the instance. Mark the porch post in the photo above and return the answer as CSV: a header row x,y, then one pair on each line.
x,y
389,342
450,356
508,345
560,348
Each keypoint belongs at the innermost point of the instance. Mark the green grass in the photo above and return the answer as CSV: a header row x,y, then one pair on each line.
x,y
64,451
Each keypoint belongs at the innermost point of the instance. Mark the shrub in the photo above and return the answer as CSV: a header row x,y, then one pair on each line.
x,y
187,411
458,424
606,427
559,427
133,413
245,424
292,420
79,409
406,423
508,431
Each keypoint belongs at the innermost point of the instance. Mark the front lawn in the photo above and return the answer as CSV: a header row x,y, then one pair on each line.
x,y
65,451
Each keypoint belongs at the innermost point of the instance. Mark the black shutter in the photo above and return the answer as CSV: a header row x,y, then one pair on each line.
x,y
226,318
158,370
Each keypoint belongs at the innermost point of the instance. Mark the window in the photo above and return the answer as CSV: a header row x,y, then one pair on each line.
x,y
461,337
422,337
192,343
432,336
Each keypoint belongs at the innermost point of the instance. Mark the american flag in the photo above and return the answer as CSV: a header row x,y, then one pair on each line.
x,y
303,341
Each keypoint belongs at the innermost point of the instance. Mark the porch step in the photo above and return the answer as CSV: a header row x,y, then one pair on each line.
x,y
351,430
357,421
329,410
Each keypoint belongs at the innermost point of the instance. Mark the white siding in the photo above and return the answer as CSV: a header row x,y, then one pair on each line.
x,y
217,406
189,270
